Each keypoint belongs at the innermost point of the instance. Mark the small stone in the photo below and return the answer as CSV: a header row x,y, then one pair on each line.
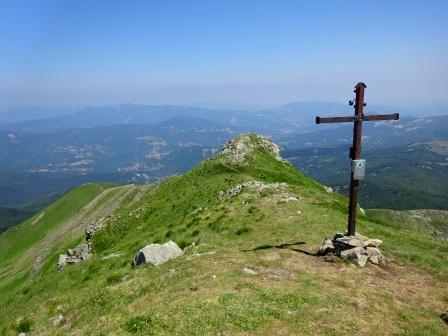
x,y
351,240
357,255
289,199
338,235
62,261
374,260
361,210
372,242
249,271
214,276
299,212
329,189
374,255
113,255
57,321
327,246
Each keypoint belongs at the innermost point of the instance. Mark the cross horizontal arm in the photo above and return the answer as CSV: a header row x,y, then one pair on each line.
x,y
328,120
374,117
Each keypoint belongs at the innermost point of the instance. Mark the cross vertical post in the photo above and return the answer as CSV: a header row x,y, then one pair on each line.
x,y
355,150
355,154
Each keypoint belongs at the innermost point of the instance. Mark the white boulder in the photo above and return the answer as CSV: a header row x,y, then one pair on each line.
x,y
157,254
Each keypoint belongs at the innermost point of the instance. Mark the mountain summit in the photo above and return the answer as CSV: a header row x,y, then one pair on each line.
x,y
238,150
249,226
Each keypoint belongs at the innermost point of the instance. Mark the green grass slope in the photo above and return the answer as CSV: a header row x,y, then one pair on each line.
x,y
249,266
427,221
47,232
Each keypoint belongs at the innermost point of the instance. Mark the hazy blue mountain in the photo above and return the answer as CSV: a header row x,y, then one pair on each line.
x,y
142,114
375,134
110,148
298,116
17,115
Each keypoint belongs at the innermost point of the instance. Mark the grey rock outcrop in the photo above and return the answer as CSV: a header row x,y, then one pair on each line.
x,y
157,254
94,227
358,249
237,150
252,185
80,253
83,251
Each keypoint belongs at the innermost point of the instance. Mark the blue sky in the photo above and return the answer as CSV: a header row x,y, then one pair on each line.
x,y
221,52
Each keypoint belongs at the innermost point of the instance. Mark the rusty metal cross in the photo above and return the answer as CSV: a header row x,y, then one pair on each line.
x,y
355,150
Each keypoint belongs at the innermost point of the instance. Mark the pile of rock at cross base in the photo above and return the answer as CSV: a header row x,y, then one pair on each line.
x,y
358,249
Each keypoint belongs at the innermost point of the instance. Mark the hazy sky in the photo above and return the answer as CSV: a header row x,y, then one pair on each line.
x,y
252,52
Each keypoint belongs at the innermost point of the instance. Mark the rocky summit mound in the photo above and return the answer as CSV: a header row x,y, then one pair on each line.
x,y
238,150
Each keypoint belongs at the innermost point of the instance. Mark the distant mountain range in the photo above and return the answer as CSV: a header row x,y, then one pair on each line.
x,y
291,117
134,147
16,115
142,143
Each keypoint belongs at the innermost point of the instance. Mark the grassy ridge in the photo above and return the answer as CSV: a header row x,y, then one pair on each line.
x,y
18,239
20,245
209,291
